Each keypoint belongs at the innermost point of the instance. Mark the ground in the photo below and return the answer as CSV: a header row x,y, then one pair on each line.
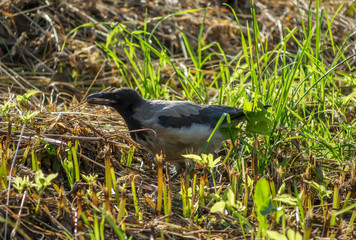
x,y
297,179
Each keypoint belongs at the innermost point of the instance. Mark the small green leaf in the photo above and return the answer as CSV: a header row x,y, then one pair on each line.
x,y
51,150
231,197
293,235
287,199
320,188
30,93
6,107
257,118
259,126
281,189
274,235
20,98
218,207
21,183
194,157
42,182
28,116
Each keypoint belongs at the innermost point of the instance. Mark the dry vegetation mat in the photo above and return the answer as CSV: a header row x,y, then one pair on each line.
x,y
70,171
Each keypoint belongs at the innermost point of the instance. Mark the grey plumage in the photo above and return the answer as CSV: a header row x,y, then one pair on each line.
x,y
179,127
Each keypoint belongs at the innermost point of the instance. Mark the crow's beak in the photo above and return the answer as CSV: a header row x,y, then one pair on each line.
x,y
101,99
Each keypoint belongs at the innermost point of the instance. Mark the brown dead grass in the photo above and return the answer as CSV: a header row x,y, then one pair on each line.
x,y
32,34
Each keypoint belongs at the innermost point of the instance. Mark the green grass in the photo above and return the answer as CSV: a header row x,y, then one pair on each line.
x,y
275,182
307,104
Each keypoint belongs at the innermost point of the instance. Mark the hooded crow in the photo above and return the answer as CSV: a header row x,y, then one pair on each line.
x,y
174,127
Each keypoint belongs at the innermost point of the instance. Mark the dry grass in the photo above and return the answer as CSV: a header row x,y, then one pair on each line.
x,y
31,57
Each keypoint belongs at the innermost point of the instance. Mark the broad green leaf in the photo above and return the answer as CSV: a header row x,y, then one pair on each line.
x,y
274,235
257,120
218,207
262,194
293,235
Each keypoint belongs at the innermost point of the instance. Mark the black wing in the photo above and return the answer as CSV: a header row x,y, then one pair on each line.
x,y
209,115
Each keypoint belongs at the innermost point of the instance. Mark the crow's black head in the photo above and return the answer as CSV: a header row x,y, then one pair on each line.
x,y
124,100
